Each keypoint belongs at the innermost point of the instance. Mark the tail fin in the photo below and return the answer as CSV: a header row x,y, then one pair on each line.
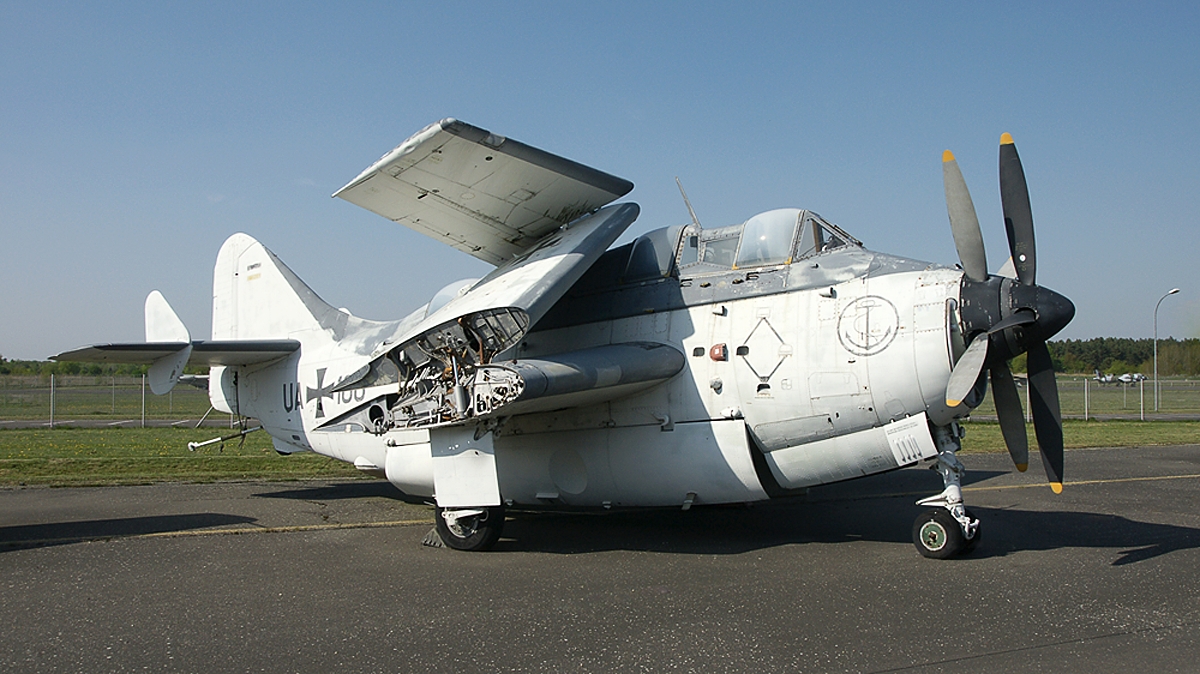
x,y
255,296
163,325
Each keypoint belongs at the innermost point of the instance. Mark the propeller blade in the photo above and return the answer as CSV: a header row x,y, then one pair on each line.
x,y
1047,417
1021,316
964,224
1018,216
1012,418
966,371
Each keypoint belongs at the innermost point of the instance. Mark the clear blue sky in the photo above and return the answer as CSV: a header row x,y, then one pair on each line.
x,y
135,137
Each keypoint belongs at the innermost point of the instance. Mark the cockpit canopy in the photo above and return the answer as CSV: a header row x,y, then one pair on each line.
x,y
770,239
773,238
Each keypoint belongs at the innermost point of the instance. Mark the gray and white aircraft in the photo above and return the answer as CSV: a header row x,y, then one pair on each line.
x,y
1127,379
691,366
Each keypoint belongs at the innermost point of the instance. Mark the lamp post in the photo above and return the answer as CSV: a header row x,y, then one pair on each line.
x,y
1160,300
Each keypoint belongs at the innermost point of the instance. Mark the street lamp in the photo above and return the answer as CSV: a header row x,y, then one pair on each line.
x,y
1172,292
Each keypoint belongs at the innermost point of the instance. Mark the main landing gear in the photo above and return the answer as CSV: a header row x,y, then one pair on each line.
x,y
948,528
469,529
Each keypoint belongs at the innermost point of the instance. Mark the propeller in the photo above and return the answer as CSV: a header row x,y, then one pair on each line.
x,y
1004,317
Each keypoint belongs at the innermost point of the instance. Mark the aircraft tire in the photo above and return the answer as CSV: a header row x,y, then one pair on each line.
x,y
936,534
473,533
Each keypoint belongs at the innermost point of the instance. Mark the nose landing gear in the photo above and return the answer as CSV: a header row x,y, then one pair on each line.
x,y
948,528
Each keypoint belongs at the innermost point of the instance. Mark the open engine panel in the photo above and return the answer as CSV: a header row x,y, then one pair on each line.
x,y
443,376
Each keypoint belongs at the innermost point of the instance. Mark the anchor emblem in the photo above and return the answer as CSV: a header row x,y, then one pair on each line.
x,y
868,325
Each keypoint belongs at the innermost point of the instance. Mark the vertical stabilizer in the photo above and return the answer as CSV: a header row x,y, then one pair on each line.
x,y
255,296
163,325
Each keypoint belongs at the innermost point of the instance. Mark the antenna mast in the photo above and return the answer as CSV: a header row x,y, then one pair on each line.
x,y
695,220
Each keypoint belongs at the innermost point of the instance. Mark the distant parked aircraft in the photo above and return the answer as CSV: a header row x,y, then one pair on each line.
x,y
1127,379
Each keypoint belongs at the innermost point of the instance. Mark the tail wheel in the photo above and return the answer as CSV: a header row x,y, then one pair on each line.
x,y
937,535
472,532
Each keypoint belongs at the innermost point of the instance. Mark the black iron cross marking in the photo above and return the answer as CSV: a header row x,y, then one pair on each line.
x,y
321,391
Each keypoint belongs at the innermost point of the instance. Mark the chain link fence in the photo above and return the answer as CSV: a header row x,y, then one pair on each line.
x,y
75,399
116,400
1084,398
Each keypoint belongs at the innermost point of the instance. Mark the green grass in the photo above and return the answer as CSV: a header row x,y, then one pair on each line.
x,y
985,437
1175,396
86,456
78,397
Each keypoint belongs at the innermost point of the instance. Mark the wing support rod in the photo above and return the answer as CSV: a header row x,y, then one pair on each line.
x,y
193,446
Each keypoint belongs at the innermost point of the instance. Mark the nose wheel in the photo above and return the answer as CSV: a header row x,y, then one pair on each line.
x,y
948,528
938,535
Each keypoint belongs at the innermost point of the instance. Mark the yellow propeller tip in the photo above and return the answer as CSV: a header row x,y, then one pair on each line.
x,y
1022,467
1056,487
952,403
1006,139
947,156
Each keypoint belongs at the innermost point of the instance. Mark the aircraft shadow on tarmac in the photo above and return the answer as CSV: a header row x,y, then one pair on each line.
x,y
729,530
877,508
880,509
64,533
336,491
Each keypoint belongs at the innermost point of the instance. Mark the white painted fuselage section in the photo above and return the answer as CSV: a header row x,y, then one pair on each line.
x,y
815,382
779,391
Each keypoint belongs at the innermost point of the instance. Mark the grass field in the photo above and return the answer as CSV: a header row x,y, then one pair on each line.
x,y
84,456
1079,395
104,398
985,437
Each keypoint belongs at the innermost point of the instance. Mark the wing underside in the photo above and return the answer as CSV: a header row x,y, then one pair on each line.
x,y
484,194
240,352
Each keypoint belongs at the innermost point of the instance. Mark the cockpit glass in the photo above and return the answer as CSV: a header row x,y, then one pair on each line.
x,y
767,239
720,251
818,237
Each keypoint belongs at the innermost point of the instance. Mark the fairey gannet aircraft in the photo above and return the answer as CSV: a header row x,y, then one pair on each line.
x,y
692,366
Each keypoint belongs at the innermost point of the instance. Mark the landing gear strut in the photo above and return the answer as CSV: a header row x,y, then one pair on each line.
x,y
948,528
470,529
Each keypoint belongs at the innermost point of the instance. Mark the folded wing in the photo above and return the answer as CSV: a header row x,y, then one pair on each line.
x,y
484,194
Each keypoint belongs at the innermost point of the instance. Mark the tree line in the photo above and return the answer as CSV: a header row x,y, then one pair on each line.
x,y
1118,355
45,368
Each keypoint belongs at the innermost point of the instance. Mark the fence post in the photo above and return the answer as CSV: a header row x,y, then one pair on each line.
x,y
52,400
1142,396
143,401
1086,400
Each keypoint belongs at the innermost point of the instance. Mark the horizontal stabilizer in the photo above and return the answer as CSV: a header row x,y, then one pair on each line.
x,y
484,194
230,352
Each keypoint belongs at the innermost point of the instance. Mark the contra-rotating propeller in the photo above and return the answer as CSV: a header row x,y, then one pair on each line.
x,y
1004,317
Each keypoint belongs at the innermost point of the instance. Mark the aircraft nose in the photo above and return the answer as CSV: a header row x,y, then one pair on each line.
x,y
1053,311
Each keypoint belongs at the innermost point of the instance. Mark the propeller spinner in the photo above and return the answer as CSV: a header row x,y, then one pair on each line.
x,y
1006,317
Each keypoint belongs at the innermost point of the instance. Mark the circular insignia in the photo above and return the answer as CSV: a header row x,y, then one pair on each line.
x,y
868,325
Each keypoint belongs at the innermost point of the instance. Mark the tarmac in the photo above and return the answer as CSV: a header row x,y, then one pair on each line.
x,y
332,576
